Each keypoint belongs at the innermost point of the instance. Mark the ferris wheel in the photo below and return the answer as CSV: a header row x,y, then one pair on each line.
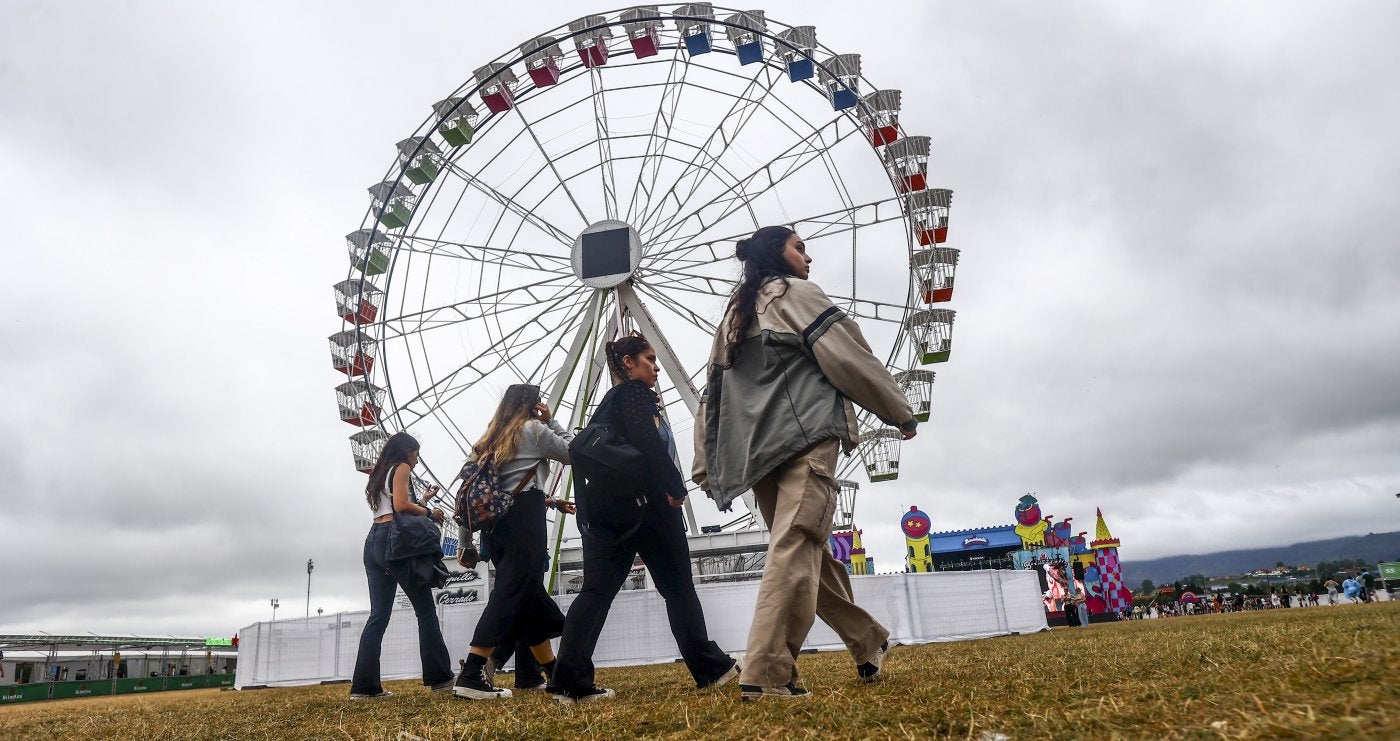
x,y
592,181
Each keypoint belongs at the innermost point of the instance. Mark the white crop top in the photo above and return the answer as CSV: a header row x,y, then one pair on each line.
x,y
386,502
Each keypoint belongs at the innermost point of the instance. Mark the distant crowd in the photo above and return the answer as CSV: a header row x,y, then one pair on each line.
x,y
1352,590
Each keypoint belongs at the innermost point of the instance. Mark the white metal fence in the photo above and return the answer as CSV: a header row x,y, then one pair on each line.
x,y
917,608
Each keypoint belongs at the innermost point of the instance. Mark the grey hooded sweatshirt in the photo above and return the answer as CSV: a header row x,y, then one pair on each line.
x,y
799,368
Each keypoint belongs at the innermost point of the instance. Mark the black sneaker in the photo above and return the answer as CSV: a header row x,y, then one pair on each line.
x,y
789,691
871,671
522,681
728,676
580,697
380,695
475,687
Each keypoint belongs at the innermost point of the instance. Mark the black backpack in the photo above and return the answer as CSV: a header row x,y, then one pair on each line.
x,y
610,472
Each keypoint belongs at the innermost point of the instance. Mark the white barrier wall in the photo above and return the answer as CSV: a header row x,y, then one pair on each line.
x,y
917,608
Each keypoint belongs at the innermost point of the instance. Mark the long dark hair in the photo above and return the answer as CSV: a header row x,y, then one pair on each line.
x,y
627,346
395,451
516,408
762,258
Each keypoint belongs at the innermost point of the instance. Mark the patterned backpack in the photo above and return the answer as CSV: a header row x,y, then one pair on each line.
x,y
480,499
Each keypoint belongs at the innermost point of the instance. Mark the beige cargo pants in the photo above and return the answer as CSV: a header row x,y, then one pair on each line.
x,y
801,580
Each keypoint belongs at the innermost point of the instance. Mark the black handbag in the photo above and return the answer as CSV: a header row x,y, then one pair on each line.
x,y
412,536
601,451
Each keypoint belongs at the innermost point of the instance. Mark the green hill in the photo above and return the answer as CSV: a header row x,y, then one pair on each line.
x,y
1373,547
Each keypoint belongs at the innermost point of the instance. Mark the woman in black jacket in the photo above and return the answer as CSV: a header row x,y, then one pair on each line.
x,y
611,541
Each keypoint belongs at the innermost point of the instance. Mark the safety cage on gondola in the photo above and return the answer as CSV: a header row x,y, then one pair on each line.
x,y
542,57
358,301
928,211
421,159
935,270
456,121
840,75
591,39
846,491
796,46
693,23
352,352
917,386
497,83
643,27
907,160
746,34
361,402
879,115
879,451
931,331
365,447
394,202
369,250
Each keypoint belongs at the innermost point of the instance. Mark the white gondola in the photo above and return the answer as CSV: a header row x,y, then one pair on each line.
x,y
497,83
352,352
928,213
907,160
542,60
591,39
796,46
935,270
643,27
932,333
879,451
369,250
846,491
692,21
917,386
840,75
879,114
421,159
365,447
361,402
394,203
358,301
746,34
456,121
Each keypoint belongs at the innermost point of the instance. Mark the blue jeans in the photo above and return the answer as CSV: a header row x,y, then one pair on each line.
x,y
437,664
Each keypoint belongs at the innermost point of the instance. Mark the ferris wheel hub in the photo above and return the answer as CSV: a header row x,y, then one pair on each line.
x,y
606,254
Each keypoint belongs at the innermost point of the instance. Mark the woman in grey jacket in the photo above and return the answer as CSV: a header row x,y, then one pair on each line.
x,y
783,370
521,441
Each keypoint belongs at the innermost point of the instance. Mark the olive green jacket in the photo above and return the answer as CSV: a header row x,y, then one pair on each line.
x,y
799,369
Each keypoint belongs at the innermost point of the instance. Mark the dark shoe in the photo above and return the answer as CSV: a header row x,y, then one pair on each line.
x,y
377,696
790,691
725,678
522,681
580,697
475,687
443,686
871,671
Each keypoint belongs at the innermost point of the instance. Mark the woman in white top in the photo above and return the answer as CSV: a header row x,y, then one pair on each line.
x,y
520,442
389,491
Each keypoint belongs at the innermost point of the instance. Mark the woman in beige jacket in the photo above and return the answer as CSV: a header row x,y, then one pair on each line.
x,y
784,369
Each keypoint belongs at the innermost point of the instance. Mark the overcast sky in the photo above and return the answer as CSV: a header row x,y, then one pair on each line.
x,y
1179,296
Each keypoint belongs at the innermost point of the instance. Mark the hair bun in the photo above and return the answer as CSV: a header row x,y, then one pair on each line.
x,y
741,249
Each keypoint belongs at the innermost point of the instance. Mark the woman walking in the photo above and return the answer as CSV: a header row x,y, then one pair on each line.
x,y
389,491
520,441
611,542
784,368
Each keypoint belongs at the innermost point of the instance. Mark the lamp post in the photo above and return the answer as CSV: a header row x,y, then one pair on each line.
x,y
274,609
309,566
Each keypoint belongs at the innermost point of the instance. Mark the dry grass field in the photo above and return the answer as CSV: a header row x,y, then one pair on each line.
x,y
1319,672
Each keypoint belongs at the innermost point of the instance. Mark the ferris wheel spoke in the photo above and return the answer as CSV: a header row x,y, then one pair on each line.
x,y
497,354
679,309
516,297
479,253
525,214
730,124
605,162
671,92
552,167
768,176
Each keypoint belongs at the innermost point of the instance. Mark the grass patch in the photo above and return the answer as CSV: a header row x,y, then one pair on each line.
x,y
1318,672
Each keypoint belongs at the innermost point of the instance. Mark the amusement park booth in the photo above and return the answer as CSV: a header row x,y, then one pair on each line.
x,y
974,549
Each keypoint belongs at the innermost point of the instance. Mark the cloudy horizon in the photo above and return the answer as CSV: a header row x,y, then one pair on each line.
x,y
1177,296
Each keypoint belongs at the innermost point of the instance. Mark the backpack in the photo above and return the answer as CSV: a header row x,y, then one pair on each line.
x,y
601,451
481,501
